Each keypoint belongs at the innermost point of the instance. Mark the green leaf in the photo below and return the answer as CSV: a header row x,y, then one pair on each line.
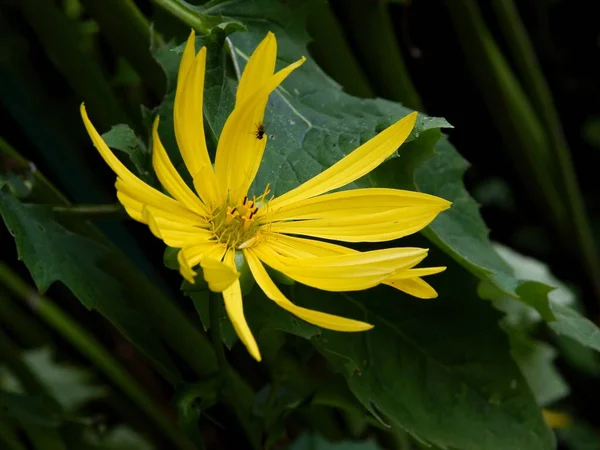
x,y
69,385
92,271
311,441
121,137
439,369
560,318
536,361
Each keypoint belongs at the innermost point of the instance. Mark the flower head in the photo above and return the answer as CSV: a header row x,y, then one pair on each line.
x,y
218,219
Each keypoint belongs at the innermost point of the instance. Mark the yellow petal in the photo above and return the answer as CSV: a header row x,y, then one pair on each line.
x,y
297,247
413,286
556,419
170,178
190,255
137,192
239,151
375,227
188,119
356,202
235,310
139,196
217,274
344,272
259,68
353,166
174,233
320,319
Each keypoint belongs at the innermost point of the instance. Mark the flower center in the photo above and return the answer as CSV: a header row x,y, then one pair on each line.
x,y
235,226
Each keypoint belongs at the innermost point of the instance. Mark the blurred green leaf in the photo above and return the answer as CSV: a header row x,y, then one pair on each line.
x,y
69,385
311,441
536,361
92,271
553,300
118,438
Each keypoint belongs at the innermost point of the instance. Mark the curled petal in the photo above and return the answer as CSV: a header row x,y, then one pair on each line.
x,y
320,319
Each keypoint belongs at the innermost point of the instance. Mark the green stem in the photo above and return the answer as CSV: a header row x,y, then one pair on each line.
x,y
61,41
535,84
184,13
515,117
215,335
92,212
129,34
11,354
380,53
46,192
28,332
93,350
332,52
231,385
9,438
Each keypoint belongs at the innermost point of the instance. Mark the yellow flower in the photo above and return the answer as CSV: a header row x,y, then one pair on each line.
x,y
219,220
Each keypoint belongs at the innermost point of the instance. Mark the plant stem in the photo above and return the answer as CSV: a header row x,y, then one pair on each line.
x,y
185,14
92,212
215,335
9,438
536,86
47,192
93,350
27,331
129,33
61,40
10,353
507,102
332,52
380,53
231,386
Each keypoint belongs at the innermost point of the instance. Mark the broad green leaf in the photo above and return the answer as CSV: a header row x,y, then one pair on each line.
x,y
123,138
439,369
118,438
560,318
536,361
92,271
311,441
69,385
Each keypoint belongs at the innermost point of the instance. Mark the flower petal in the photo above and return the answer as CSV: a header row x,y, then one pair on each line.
x,y
191,255
170,178
414,286
235,310
239,151
374,227
353,166
343,272
407,281
135,191
259,68
188,119
320,319
352,202
217,274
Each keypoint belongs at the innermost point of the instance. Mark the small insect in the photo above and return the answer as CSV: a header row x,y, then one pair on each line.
x,y
260,131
